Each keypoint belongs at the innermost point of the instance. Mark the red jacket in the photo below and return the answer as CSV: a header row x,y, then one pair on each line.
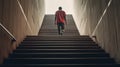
x,y
60,16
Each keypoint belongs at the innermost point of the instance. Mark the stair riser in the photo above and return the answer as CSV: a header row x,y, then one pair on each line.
x,y
56,42
62,65
51,51
57,39
59,61
60,44
58,47
57,55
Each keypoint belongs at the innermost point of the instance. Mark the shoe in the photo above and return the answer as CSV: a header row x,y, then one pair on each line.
x,y
63,30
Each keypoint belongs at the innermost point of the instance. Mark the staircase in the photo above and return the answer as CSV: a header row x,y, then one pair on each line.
x,y
52,50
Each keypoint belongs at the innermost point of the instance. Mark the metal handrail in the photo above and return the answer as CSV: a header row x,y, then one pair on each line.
x,y
8,32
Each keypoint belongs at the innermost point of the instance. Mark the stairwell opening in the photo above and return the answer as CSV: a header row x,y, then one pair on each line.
x,y
51,7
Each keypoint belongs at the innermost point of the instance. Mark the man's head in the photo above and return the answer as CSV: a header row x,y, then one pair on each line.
x,y
60,8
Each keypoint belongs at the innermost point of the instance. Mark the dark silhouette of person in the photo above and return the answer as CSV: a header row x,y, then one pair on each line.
x,y
60,20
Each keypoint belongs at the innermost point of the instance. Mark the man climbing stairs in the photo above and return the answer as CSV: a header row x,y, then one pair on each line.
x,y
52,50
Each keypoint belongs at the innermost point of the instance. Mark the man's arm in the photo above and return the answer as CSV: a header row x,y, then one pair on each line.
x,y
55,19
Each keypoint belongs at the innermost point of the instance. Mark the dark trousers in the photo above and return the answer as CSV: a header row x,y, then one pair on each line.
x,y
60,27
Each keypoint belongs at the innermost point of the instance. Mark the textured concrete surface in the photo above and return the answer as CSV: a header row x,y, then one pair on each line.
x,y
87,14
21,18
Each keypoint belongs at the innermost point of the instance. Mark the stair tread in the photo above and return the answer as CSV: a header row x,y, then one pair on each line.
x,y
64,44
60,65
59,49
65,53
88,58
58,55
59,46
66,64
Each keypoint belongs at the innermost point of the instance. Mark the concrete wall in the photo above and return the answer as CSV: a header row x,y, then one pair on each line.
x,y
21,18
101,19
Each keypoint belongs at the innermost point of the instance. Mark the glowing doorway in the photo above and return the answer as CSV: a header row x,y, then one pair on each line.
x,y
51,6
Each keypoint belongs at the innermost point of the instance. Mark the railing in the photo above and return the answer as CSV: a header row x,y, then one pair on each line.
x,y
13,39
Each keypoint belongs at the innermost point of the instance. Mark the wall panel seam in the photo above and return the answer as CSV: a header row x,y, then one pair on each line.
x,y
24,15
99,22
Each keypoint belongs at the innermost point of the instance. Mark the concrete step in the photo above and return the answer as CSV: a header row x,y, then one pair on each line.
x,y
61,65
56,50
57,41
58,44
59,60
59,55
73,38
58,47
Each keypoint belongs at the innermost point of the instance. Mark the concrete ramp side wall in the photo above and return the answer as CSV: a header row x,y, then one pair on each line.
x,y
21,18
100,18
